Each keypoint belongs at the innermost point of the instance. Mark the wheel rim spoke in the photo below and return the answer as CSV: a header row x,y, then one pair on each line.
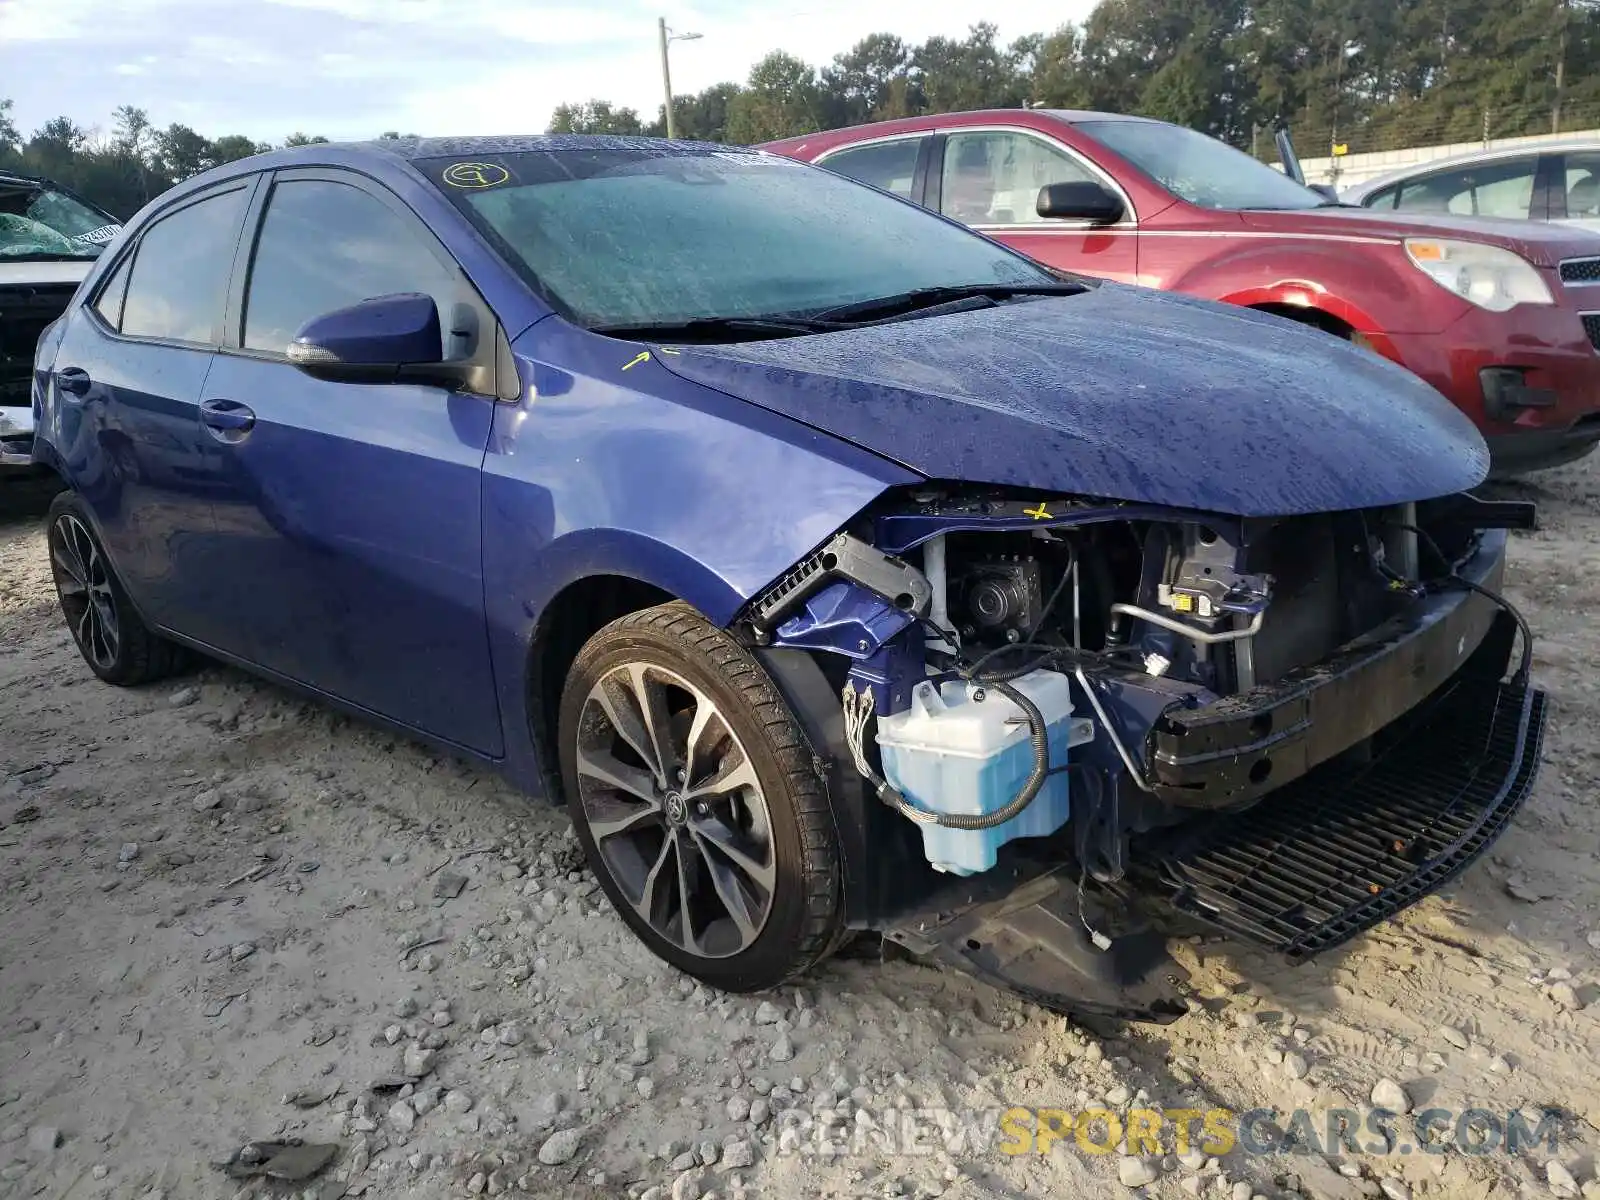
x,y
604,827
734,772
648,899
621,709
696,863
657,721
705,716
713,833
618,775
73,570
687,937
725,881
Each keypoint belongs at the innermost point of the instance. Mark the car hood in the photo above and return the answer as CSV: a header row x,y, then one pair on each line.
x,y
44,271
1120,393
1542,244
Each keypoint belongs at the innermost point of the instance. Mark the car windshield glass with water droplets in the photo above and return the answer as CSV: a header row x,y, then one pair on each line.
x,y
1200,169
639,237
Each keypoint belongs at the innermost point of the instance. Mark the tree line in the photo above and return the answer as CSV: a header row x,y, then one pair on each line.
x,y
1369,74
1365,74
134,163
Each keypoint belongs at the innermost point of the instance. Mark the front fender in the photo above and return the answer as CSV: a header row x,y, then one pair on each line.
x,y
612,465
1365,290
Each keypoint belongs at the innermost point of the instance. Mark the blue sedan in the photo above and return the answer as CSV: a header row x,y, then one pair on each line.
x,y
840,569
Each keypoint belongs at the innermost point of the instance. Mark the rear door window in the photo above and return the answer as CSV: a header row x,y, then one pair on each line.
x,y
109,305
1582,183
180,273
1495,189
889,166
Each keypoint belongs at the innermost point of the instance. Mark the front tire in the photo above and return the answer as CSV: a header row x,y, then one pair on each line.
x,y
108,631
697,801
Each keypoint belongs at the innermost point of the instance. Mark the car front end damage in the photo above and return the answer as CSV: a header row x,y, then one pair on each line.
x,y
1286,729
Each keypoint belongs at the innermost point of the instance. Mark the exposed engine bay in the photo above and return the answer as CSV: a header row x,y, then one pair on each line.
x,y
1074,712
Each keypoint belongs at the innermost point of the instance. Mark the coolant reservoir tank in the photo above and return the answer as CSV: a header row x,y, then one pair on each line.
x,y
964,748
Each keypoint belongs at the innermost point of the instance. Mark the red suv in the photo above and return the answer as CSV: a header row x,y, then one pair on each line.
x,y
1503,317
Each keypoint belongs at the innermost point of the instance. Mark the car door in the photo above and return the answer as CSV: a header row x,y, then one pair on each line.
x,y
990,179
350,521
126,383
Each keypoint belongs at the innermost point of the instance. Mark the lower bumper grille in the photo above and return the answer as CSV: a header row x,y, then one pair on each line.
x,y
1344,848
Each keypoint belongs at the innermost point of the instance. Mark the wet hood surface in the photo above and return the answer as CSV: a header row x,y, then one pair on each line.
x,y
1119,393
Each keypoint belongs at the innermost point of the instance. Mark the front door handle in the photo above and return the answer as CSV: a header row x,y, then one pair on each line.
x,y
74,381
227,419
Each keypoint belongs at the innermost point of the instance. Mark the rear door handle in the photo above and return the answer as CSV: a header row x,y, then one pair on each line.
x,y
225,417
74,381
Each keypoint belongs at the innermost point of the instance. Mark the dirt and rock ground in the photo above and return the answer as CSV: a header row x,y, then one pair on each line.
x,y
226,914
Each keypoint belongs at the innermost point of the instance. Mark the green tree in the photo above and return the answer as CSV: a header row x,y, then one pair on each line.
x,y
701,117
976,72
871,82
306,139
1054,75
782,99
597,116
236,146
181,152
10,136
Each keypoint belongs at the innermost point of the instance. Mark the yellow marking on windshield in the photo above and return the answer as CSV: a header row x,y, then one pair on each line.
x,y
475,175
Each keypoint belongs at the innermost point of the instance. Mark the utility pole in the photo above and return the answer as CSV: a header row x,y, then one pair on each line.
x,y
666,79
666,72
1561,64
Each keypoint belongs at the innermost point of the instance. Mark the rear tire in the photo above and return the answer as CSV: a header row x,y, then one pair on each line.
x,y
113,639
697,801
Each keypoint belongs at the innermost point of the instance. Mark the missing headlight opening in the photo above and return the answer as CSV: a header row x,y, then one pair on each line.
x,y
1094,691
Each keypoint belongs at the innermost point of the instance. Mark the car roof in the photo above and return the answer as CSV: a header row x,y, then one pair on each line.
x,y
1467,158
409,148
933,122
403,153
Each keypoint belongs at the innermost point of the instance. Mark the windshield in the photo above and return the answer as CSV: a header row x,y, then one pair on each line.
x,y
1200,169
39,222
629,237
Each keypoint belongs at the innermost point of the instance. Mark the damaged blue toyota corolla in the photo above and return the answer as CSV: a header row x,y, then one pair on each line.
x,y
840,569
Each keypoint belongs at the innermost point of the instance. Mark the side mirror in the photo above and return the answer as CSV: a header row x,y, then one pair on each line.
x,y
1325,190
373,341
1081,200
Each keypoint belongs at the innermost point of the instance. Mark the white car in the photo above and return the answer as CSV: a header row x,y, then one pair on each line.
x,y
1538,181
49,237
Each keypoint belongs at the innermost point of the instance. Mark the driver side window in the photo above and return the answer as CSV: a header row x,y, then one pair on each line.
x,y
327,245
993,177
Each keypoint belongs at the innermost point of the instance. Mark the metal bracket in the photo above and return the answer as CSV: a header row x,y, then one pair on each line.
x,y
843,557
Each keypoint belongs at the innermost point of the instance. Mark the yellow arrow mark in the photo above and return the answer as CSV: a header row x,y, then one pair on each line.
x,y
644,356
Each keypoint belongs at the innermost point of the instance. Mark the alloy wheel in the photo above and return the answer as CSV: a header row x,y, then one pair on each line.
x,y
84,585
676,809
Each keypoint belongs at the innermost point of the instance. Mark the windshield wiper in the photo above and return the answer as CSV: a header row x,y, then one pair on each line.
x,y
928,297
710,328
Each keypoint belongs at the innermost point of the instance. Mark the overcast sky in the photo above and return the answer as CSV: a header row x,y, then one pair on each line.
x,y
354,68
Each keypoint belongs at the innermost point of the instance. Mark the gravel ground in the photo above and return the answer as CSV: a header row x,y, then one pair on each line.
x,y
225,914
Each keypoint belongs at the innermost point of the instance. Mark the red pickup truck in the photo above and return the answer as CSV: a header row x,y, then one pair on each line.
x,y
1502,317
